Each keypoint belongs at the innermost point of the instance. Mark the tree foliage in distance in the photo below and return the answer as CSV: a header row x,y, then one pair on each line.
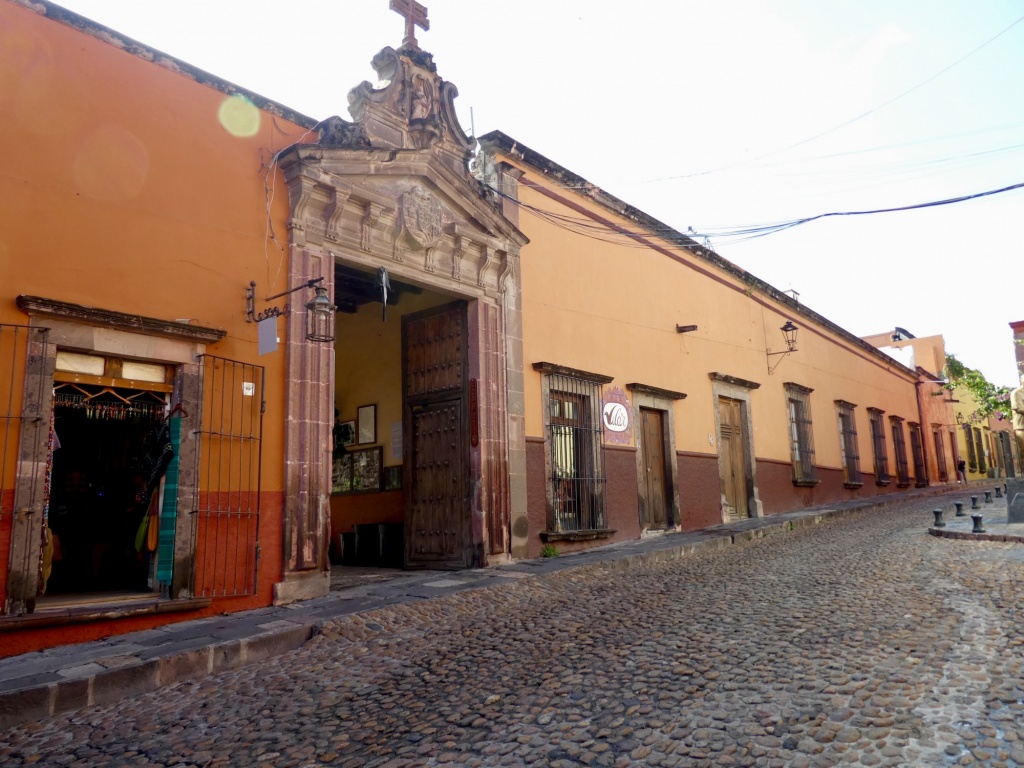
x,y
991,400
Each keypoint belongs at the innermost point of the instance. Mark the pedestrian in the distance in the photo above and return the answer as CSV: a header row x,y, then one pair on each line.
x,y
961,472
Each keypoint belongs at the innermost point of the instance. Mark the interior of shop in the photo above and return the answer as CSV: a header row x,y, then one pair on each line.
x,y
109,452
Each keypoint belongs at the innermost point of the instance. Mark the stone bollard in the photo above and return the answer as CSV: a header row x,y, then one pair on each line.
x,y
977,524
974,502
938,518
988,497
999,492
959,508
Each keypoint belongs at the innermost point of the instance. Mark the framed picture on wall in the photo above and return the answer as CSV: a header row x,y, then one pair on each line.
x,y
366,424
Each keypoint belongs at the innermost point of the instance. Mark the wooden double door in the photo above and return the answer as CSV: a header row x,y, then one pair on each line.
x,y
435,389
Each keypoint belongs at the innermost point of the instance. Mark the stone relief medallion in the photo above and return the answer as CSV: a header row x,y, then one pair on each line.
x,y
615,416
420,218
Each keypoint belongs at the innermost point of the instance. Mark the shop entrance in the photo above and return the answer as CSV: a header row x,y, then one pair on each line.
x,y
110,450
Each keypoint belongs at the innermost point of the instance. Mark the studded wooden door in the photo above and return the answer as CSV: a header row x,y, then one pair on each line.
x,y
435,387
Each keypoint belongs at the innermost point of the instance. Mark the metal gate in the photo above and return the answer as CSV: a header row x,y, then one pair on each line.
x,y
227,473
24,430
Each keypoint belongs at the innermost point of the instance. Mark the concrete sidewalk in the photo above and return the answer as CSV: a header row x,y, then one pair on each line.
x,y
38,685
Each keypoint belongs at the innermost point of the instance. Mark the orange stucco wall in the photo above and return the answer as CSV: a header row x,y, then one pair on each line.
x,y
131,186
127,191
612,308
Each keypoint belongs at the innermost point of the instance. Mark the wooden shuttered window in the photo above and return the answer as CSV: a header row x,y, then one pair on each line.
x,y
878,448
899,445
801,437
848,444
917,451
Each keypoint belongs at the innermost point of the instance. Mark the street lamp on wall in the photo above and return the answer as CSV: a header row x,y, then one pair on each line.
x,y
319,310
789,334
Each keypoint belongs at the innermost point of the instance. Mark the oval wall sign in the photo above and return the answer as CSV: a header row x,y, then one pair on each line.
x,y
616,417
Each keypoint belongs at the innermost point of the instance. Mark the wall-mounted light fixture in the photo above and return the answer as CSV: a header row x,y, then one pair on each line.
x,y
789,334
319,310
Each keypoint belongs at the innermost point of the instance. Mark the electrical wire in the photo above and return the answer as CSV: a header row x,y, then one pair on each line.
x,y
624,236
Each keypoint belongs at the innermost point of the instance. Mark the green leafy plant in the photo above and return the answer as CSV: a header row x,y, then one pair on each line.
x,y
549,550
991,399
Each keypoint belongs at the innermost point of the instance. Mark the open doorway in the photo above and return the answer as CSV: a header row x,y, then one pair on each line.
x,y
111,448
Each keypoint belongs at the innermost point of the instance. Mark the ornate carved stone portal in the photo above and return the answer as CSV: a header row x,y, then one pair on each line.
x,y
393,189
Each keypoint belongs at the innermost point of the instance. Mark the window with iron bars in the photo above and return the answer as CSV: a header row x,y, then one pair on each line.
x,y
979,445
878,446
801,438
917,450
972,456
899,445
848,444
576,461
940,454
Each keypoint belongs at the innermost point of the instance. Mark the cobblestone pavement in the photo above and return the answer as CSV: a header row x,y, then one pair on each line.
x,y
861,642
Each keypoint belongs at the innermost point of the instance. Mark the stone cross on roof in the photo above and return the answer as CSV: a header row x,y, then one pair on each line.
x,y
415,16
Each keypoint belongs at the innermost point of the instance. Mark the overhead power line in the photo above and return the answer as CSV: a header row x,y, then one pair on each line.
x,y
634,238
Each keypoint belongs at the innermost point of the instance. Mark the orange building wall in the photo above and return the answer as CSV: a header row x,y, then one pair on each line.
x,y
130,186
612,309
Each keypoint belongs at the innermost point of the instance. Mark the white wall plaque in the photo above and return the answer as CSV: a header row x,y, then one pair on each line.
x,y
616,417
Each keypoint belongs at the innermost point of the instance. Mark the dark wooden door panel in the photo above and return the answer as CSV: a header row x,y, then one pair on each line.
x,y
653,437
435,388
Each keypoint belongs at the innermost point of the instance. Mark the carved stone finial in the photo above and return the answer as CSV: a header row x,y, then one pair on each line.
x,y
415,16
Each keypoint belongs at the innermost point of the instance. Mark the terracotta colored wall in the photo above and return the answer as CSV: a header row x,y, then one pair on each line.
x,y
778,494
622,508
700,491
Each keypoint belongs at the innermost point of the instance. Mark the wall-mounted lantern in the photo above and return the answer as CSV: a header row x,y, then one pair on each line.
x,y
319,310
789,334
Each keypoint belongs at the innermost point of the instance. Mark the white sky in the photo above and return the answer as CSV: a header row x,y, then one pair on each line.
x,y
644,98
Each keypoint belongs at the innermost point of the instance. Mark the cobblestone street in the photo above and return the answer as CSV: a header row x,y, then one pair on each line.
x,y
862,642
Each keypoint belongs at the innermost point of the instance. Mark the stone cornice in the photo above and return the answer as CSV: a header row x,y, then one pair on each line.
x,y
647,389
562,370
735,381
38,306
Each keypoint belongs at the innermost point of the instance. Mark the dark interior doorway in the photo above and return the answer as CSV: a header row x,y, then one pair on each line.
x,y
104,491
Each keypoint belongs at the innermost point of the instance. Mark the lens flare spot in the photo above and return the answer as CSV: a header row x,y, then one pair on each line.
x,y
239,116
111,164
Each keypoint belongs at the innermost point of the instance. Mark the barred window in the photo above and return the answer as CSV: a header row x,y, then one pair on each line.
x,y
878,447
575,459
801,442
972,456
899,445
917,450
940,453
848,444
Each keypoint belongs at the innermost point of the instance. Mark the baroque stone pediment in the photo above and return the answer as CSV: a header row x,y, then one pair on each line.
x,y
412,107
403,210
